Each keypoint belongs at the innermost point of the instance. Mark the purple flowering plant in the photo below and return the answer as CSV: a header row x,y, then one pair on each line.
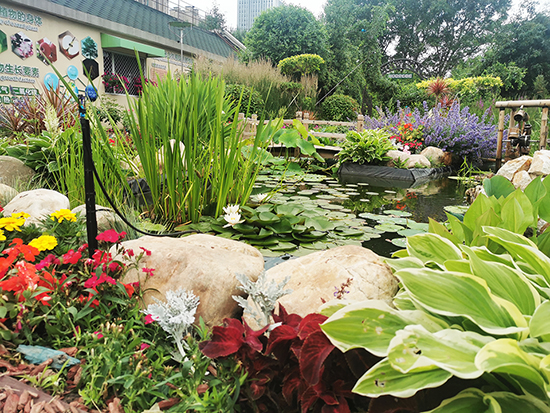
x,y
455,130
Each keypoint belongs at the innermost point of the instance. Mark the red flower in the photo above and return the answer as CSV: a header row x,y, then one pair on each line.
x,y
71,257
146,251
148,271
26,279
111,236
94,281
28,252
130,290
47,261
144,346
149,319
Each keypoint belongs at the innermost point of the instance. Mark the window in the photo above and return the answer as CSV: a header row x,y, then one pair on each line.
x,y
123,65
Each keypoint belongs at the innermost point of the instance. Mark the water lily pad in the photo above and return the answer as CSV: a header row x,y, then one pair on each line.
x,y
369,215
284,246
290,208
362,184
409,232
348,241
389,227
372,193
332,206
397,213
421,226
399,242
264,233
350,232
393,220
325,196
389,192
456,210
353,193
364,200
299,198
319,245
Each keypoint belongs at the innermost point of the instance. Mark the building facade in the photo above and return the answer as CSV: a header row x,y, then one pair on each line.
x,y
86,39
248,10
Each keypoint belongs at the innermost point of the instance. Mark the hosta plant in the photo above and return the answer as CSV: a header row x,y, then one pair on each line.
x,y
505,207
462,311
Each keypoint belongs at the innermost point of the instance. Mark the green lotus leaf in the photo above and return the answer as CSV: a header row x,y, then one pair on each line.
x,y
388,227
397,213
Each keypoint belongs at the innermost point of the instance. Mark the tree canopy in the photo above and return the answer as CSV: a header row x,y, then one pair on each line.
x,y
285,31
214,20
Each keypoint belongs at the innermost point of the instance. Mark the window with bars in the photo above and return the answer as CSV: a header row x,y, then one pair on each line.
x,y
124,66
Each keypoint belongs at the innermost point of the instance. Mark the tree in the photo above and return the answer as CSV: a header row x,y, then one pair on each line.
x,y
525,41
285,31
214,20
441,34
353,65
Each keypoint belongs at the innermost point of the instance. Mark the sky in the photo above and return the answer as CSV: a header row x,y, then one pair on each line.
x,y
229,7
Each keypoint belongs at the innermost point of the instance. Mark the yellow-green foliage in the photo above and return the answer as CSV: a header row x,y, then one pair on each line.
x,y
470,87
303,64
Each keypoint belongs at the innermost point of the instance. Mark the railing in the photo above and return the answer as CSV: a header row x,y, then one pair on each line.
x,y
252,123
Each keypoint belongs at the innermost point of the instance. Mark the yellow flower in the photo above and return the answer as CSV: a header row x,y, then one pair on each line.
x,y
20,215
63,214
11,223
2,236
44,242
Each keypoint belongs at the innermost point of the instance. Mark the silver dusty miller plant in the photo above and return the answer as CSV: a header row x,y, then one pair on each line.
x,y
264,293
176,315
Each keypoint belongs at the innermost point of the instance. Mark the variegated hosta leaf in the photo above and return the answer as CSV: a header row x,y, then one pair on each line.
x,y
457,294
505,282
475,401
403,302
406,262
372,325
432,248
521,249
451,350
505,356
539,325
382,379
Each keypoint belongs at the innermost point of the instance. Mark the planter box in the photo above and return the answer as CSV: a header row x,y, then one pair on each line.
x,y
385,176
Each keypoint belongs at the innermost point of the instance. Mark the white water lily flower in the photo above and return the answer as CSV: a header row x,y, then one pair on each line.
x,y
261,197
232,209
232,219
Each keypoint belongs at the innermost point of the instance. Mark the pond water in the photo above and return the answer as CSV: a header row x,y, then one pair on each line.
x,y
385,215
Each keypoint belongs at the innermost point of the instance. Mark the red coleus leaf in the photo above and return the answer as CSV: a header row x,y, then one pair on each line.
x,y
291,382
310,324
292,320
252,338
279,341
313,354
226,340
341,407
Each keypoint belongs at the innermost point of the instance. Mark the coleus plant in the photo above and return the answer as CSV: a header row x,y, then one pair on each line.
x,y
292,365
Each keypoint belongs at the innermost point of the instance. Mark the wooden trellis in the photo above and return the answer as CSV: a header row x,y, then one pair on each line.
x,y
515,105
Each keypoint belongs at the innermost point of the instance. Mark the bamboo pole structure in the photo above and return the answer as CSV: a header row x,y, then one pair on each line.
x,y
514,105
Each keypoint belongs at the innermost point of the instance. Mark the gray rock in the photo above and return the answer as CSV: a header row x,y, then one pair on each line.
x,y
7,193
540,165
509,169
38,203
435,155
106,217
203,264
397,155
14,172
416,161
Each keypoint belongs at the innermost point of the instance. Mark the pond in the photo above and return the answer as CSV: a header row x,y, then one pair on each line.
x,y
382,216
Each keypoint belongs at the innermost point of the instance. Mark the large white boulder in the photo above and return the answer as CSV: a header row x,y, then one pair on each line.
x,y
38,203
203,264
350,272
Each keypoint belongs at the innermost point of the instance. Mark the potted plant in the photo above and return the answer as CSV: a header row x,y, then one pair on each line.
x,y
115,83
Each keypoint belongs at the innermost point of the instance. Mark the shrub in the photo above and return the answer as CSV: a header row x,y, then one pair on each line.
x,y
299,65
251,101
370,146
455,130
340,108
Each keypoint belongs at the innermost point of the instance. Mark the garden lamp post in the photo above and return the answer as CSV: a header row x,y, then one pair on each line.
x,y
179,26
